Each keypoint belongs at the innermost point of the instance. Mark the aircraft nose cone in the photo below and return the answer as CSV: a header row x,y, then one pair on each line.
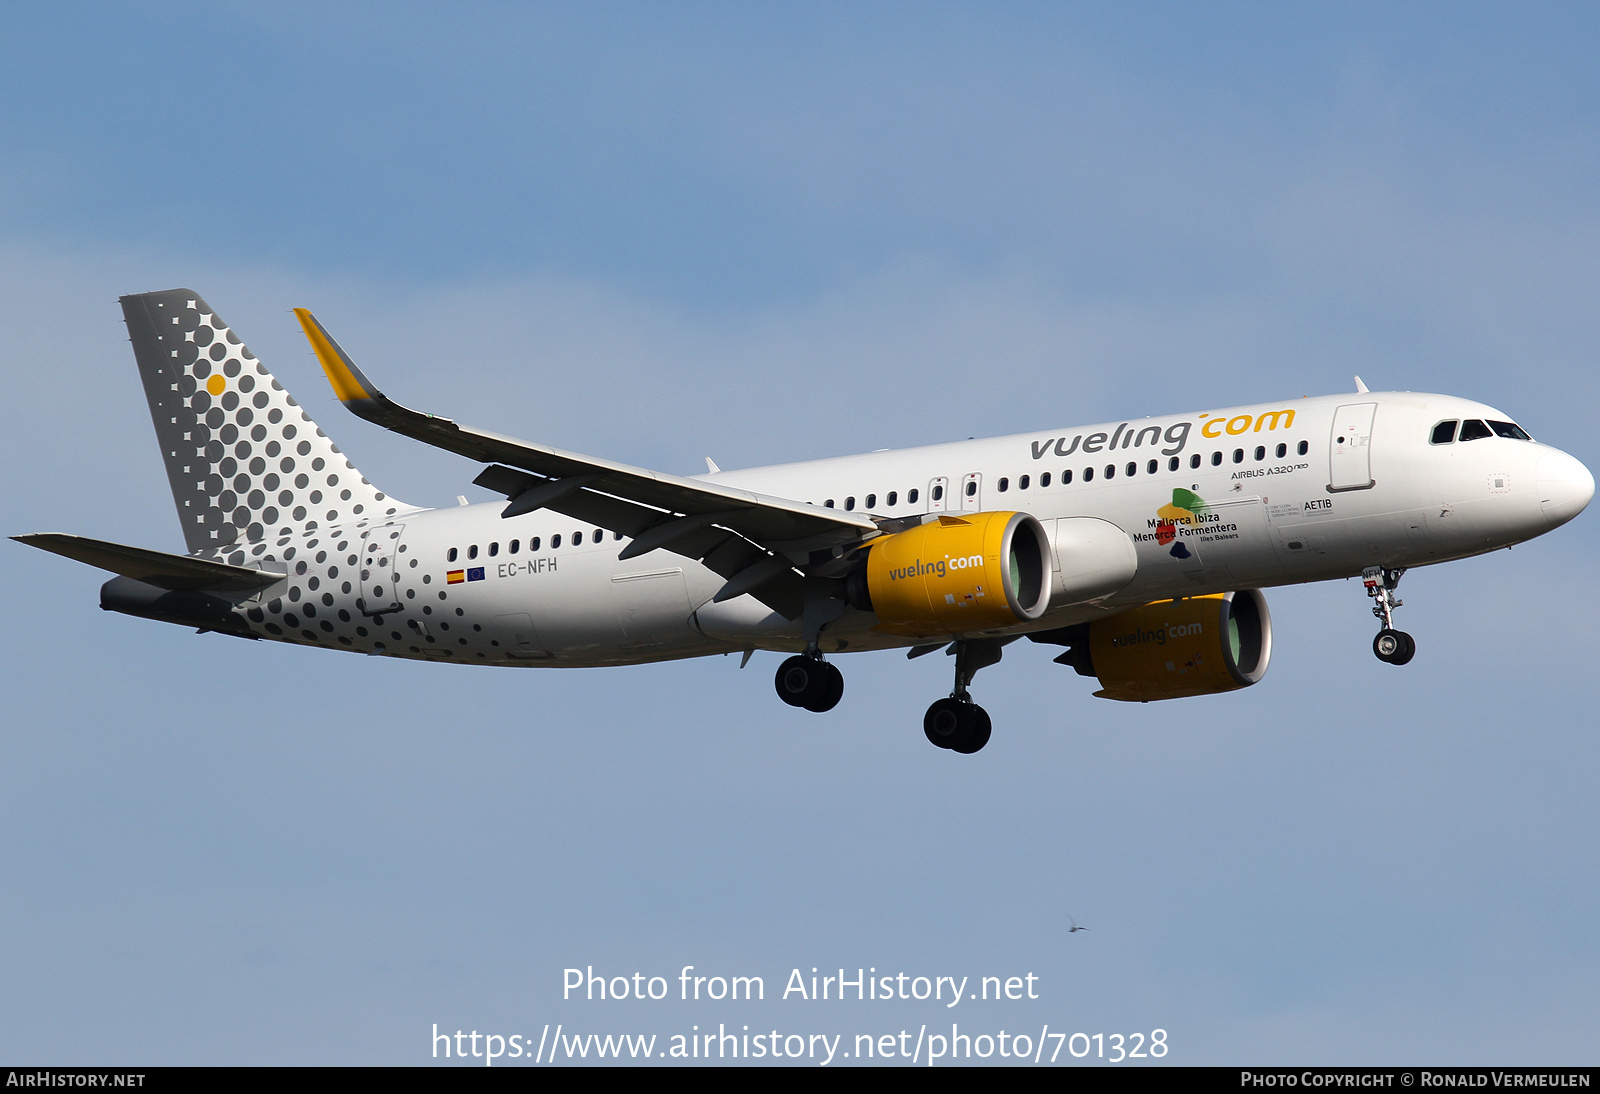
x,y
1565,487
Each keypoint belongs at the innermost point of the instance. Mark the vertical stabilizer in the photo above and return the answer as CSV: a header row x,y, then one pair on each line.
x,y
244,460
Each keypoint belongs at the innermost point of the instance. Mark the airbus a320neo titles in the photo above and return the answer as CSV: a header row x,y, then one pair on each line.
x,y
1140,547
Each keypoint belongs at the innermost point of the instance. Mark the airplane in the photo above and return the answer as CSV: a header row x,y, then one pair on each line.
x,y
1140,547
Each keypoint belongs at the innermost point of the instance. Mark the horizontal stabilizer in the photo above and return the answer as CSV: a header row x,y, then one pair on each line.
x,y
156,568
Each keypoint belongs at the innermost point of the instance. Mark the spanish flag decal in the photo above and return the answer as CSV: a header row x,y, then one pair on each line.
x,y
455,577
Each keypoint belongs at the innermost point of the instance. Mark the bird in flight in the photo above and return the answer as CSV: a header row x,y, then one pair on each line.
x,y
1074,928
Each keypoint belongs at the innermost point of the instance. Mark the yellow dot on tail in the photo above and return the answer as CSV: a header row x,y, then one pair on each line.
x,y
216,383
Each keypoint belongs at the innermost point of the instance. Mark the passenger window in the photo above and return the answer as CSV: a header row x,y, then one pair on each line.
x,y
1444,432
450,556
828,503
1131,470
1111,470
1474,430
1022,483
1003,484
849,504
1088,474
1152,467
872,501
533,544
1194,460
1303,447
472,552
494,549
1283,450
1216,459
516,545
893,494
555,541
617,536
1066,477
599,535
1261,452
1238,455
1172,464
1044,480
1509,430
577,539
972,489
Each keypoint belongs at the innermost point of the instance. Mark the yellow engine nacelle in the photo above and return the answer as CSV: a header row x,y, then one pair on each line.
x,y
957,575
1200,645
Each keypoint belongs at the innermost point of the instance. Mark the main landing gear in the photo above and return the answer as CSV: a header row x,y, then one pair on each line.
x,y
1392,647
957,723
806,680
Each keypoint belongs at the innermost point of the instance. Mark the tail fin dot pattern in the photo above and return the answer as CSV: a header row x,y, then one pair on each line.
x,y
246,464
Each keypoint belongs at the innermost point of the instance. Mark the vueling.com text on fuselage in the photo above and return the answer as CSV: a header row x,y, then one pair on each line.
x,y
1176,436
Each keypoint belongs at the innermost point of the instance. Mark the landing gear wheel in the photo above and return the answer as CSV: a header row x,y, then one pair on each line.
x,y
976,733
942,722
1394,647
830,691
957,725
810,683
795,680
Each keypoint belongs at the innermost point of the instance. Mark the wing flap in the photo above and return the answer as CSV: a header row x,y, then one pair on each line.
x,y
723,551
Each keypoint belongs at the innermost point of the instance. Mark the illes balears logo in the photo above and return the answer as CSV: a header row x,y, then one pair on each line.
x,y
1186,511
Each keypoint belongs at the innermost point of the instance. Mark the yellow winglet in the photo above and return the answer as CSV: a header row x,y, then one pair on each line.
x,y
348,383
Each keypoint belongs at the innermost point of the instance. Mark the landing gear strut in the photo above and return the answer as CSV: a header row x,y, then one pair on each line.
x,y
806,680
957,723
1392,647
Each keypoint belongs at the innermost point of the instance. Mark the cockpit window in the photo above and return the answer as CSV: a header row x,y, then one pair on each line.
x,y
1444,432
1474,430
1509,430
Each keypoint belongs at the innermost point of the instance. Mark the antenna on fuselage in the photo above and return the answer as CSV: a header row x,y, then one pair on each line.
x,y
1360,387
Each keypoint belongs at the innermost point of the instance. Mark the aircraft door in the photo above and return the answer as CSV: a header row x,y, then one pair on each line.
x,y
972,493
379,579
937,488
653,608
519,638
1242,548
1350,447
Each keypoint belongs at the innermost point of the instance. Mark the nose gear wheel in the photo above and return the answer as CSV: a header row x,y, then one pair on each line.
x,y
1394,647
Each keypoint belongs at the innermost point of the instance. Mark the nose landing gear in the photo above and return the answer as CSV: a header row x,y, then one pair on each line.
x,y
806,680
1392,647
957,723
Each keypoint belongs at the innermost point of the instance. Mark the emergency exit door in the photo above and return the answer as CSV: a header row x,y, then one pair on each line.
x,y
972,492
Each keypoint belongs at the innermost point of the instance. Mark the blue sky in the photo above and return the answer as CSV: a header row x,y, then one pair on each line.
x,y
765,233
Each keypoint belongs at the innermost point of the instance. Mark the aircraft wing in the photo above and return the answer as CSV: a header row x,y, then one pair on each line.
x,y
728,529
177,572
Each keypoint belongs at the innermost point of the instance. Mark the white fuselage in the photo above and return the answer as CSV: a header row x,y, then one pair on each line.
x,y
1292,492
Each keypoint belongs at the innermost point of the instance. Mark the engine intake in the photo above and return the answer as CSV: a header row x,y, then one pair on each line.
x,y
956,575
